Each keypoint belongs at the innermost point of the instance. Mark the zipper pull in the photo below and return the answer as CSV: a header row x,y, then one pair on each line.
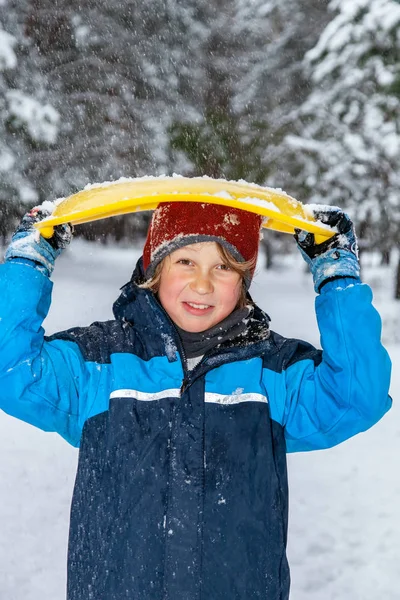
x,y
184,385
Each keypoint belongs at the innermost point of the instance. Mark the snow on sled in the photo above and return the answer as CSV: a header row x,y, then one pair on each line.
x,y
127,195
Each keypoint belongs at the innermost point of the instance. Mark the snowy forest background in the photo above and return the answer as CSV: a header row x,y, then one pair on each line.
x,y
299,95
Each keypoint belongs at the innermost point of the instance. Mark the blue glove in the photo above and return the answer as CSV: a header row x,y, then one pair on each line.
x,y
28,246
337,256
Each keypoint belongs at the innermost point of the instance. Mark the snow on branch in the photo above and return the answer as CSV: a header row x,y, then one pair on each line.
x,y
8,59
40,121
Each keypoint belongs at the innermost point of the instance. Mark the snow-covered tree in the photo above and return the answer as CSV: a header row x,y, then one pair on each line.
x,y
252,61
270,81
346,136
27,121
118,75
8,162
207,137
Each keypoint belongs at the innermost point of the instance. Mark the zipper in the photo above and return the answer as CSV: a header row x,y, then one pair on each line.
x,y
184,385
187,379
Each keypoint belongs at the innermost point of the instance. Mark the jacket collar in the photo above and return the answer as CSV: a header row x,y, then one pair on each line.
x,y
139,308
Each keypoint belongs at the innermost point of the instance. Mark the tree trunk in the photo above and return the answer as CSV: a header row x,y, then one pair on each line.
x,y
397,282
268,253
385,257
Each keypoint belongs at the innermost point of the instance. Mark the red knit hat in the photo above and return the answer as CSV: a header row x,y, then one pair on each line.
x,y
177,224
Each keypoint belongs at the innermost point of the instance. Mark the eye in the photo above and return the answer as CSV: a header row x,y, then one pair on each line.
x,y
224,267
184,261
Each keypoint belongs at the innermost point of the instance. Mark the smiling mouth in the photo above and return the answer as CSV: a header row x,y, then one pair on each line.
x,y
196,306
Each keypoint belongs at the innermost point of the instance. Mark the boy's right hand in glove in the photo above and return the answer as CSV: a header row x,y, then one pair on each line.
x,y
337,256
27,243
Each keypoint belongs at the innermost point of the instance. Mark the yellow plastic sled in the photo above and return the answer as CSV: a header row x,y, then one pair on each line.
x,y
99,201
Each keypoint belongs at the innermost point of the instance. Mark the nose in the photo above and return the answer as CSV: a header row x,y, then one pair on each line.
x,y
202,284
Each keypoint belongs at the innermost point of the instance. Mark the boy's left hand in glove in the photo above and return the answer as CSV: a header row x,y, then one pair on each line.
x,y
28,244
337,256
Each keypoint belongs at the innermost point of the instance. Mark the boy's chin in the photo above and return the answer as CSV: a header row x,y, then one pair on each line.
x,y
196,325
192,328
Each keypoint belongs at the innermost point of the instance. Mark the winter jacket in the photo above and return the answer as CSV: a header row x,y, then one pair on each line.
x,y
181,490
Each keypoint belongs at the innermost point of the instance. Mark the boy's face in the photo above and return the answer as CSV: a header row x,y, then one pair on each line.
x,y
196,288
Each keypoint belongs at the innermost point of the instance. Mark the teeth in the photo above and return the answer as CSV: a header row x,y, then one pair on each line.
x,y
201,306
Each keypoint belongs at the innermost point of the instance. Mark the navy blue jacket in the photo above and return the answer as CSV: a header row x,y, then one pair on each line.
x,y
181,490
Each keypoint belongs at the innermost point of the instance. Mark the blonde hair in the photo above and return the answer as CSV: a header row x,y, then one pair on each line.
x,y
244,269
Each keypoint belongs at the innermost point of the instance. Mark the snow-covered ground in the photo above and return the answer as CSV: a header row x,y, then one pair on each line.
x,y
344,540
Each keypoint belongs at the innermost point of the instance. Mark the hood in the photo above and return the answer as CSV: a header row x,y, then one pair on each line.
x,y
132,297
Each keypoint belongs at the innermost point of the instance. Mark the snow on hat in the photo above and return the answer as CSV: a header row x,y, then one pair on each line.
x,y
177,224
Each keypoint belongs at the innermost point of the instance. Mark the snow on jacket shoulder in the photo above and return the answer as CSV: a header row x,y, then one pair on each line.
x,y
181,490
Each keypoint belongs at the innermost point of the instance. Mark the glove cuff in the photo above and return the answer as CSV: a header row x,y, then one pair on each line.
x,y
334,263
37,250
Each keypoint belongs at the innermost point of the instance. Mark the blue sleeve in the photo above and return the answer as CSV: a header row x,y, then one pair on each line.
x,y
347,392
43,383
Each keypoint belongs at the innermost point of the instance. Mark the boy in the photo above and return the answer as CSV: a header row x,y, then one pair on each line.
x,y
185,405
